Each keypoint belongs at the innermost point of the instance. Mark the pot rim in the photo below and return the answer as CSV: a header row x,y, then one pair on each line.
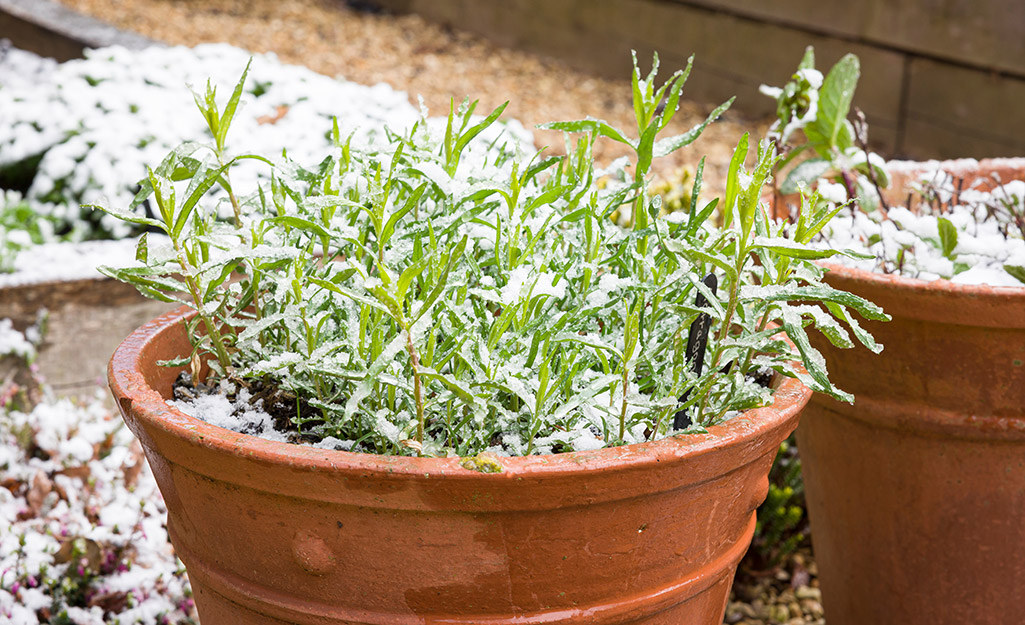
x,y
934,301
136,397
940,285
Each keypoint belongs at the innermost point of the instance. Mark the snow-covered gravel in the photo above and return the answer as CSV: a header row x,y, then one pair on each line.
x,y
99,121
981,243
82,535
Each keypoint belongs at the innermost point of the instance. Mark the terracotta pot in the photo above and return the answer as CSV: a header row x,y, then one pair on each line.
x,y
984,175
277,533
916,494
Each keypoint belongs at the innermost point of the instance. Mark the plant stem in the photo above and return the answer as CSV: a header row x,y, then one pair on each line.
x,y
764,321
414,360
226,185
622,412
190,282
724,329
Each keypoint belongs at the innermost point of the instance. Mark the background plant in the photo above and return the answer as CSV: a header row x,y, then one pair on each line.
x,y
964,232
82,536
21,227
834,148
404,298
83,131
782,518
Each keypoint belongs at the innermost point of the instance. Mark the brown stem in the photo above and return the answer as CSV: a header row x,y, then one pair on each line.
x,y
862,137
622,412
417,389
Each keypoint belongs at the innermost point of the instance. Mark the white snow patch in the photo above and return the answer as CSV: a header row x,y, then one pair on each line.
x,y
103,499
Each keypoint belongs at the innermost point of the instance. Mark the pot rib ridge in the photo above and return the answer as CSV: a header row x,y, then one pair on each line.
x,y
229,589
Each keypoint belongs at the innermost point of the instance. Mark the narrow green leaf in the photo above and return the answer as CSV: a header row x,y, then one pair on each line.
x,y
334,288
697,254
813,361
223,274
142,249
678,80
300,223
805,173
589,125
819,293
460,389
948,237
199,186
588,340
820,216
411,273
410,204
175,362
439,288
126,216
733,179
230,108
1017,271
638,95
478,128
669,145
702,217
863,337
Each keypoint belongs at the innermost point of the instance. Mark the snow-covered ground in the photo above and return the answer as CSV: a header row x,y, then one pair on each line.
x,y
82,534
95,124
60,261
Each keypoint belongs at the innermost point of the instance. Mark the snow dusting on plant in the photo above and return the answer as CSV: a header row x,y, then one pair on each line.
x,y
83,131
441,291
966,233
956,231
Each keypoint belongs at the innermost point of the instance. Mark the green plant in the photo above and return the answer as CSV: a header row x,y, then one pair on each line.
x,y
1003,208
834,148
20,228
779,531
437,295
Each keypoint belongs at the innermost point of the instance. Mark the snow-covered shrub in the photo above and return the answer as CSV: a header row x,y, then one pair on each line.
x,y
21,227
964,232
83,131
437,293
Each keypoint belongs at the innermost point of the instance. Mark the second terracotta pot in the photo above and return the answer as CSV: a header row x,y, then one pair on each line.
x,y
273,533
916,493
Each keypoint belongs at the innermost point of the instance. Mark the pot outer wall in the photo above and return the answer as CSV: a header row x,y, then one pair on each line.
x,y
272,533
916,493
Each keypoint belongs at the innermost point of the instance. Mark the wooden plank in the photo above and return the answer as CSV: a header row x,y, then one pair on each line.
x,y
50,29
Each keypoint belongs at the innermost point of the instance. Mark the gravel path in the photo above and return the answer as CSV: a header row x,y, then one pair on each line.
x,y
788,595
421,58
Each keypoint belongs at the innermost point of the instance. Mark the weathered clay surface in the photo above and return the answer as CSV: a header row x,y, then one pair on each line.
x,y
86,319
916,493
274,533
